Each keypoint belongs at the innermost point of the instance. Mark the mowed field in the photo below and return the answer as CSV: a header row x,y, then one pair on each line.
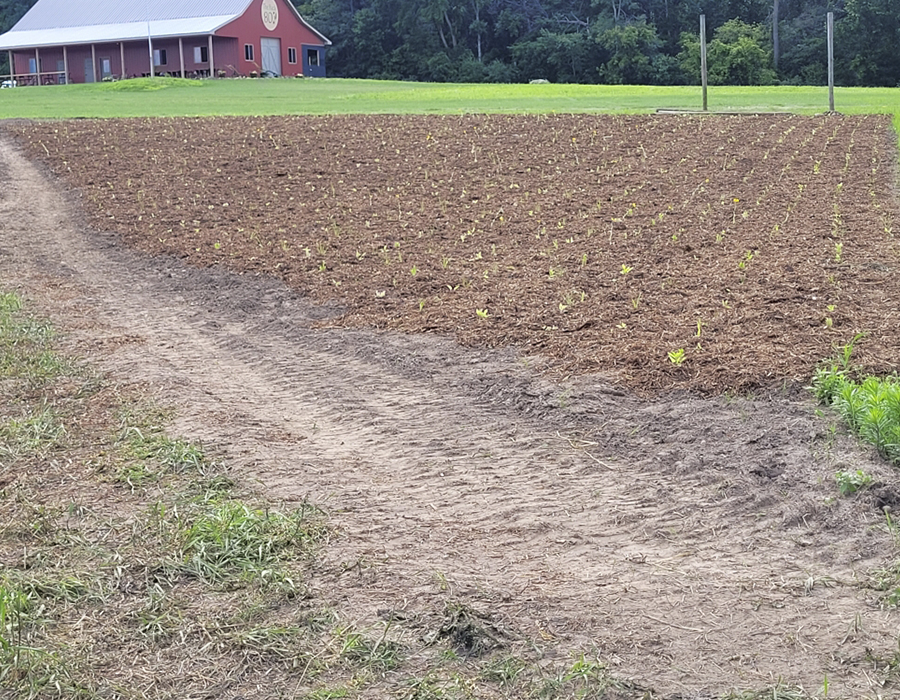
x,y
468,406
721,253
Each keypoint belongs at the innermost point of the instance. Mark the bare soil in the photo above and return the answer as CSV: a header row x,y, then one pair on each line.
x,y
696,542
752,244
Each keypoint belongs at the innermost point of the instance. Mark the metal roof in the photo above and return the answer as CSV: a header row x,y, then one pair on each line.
x,y
66,22
55,14
107,33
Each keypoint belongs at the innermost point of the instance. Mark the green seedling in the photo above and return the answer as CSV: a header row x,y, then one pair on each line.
x,y
625,269
676,357
482,313
850,482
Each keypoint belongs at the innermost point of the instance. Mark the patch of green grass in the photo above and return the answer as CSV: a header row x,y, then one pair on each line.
x,y
228,543
27,669
587,677
147,84
25,345
504,670
144,98
33,433
359,649
149,456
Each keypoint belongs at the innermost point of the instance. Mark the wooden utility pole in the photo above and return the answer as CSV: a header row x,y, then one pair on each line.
x,y
775,48
703,59
831,61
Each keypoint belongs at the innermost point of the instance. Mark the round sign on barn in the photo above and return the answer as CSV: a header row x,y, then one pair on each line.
x,y
270,14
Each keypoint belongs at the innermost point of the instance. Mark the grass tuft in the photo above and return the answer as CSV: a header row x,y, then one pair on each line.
x,y
147,84
228,543
871,407
34,433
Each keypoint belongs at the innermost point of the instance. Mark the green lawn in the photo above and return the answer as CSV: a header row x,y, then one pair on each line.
x,y
166,97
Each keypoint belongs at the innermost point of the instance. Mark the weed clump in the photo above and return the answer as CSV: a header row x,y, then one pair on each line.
x,y
228,543
871,406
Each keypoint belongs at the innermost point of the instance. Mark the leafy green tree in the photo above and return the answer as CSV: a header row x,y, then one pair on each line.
x,y
866,44
11,11
635,56
739,54
560,57
804,51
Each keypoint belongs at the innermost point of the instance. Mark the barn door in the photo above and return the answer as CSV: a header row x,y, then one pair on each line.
x,y
271,55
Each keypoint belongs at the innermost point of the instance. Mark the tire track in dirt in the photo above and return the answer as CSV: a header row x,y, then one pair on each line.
x,y
694,543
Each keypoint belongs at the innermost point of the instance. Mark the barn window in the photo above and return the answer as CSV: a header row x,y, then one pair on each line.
x,y
248,52
312,57
292,55
159,57
201,54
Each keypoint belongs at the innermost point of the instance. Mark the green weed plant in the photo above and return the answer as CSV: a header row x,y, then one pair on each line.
x,y
870,405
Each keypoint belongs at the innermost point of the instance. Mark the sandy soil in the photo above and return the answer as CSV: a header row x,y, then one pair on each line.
x,y
698,544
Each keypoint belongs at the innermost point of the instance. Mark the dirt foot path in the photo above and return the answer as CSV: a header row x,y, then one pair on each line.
x,y
698,545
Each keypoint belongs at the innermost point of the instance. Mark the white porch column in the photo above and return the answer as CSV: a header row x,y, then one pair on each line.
x,y
181,55
94,62
37,66
122,72
150,46
66,65
212,63
12,66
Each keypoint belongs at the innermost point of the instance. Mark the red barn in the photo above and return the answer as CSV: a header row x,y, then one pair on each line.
x,y
83,41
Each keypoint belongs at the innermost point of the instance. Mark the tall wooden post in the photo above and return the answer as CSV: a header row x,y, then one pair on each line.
x,y
150,48
122,73
703,59
775,42
831,61
65,65
93,64
12,66
212,63
181,55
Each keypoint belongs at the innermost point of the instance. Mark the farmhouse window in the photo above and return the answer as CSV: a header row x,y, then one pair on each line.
x,y
292,55
248,52
312,57
201,54
159,57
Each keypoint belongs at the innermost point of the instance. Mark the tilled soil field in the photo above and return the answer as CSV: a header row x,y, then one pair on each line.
x,y
692,542
706,253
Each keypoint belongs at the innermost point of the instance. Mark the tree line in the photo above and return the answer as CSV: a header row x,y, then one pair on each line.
x,y
655,42
609,41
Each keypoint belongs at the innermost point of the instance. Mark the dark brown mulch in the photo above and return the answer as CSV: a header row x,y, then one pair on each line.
x,y
753,245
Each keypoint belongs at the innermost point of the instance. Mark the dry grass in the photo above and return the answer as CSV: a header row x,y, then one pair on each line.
x,y
135,565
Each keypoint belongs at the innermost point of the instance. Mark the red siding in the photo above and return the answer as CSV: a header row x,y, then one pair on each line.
x,y
249,29
228,51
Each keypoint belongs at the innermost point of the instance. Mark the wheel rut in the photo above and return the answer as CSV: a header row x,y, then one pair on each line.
x,y
672,535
